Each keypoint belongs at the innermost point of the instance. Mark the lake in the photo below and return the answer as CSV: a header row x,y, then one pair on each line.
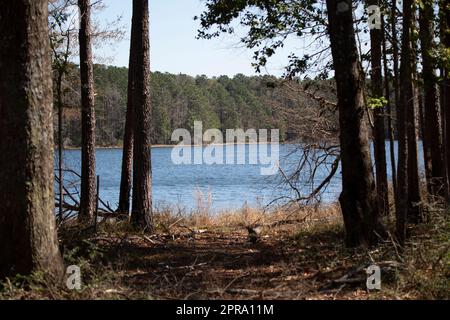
x,y
216,187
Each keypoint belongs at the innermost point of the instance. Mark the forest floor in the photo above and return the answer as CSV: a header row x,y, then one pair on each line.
x,y
297,255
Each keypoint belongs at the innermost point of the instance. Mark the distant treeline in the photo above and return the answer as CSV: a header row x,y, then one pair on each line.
x,y
259,102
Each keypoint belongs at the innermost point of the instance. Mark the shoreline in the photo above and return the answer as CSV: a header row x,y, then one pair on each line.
x,y
160,146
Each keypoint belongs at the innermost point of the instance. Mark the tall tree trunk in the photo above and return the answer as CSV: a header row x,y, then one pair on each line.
x,y
414,196
379,127
141,214
126,178
432,133
389,112
445,38
400,200
406,104
88,189
358,198
395,54
442,28
28,240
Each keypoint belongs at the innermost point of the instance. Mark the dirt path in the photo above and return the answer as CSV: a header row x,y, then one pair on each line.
x,y
225,265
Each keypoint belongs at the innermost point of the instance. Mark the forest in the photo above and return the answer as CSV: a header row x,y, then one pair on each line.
x,y
365,102
177,100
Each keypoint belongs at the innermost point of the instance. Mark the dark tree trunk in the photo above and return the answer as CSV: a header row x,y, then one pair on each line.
x,y
445,37
358,198
379,127
395,54
28,240
126,179
390,113
400,200
88,198
406,105
414,196
141,214
442,107
432,133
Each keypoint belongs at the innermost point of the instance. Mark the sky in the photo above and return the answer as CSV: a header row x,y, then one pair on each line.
x,y
175,49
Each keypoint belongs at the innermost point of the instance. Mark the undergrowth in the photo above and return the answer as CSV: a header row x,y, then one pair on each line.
x,y
118,263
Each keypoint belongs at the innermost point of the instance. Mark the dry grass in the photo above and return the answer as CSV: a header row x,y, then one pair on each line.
x,y
306,217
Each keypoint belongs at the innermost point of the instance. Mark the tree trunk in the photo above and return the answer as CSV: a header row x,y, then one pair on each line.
x,y
88,198
28,240
379,128
126,179
390,113
402,188
406,104
445,37
358,198
141,215
414,196
432,133
395,54
442,107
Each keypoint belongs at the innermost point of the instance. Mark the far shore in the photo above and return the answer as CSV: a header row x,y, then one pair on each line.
x,y
155,146
176,145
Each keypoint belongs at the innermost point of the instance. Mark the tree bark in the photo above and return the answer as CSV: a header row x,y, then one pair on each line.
x,y
28,241
414,196
395,54
141,214
88,197
406,104
126,179
432,133
445,38
390,113
379,132
358,198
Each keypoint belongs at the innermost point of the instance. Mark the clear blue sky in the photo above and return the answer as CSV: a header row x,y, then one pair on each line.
x,y
174,48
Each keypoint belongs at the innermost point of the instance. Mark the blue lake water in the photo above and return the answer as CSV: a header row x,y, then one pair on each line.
x,y
217,186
